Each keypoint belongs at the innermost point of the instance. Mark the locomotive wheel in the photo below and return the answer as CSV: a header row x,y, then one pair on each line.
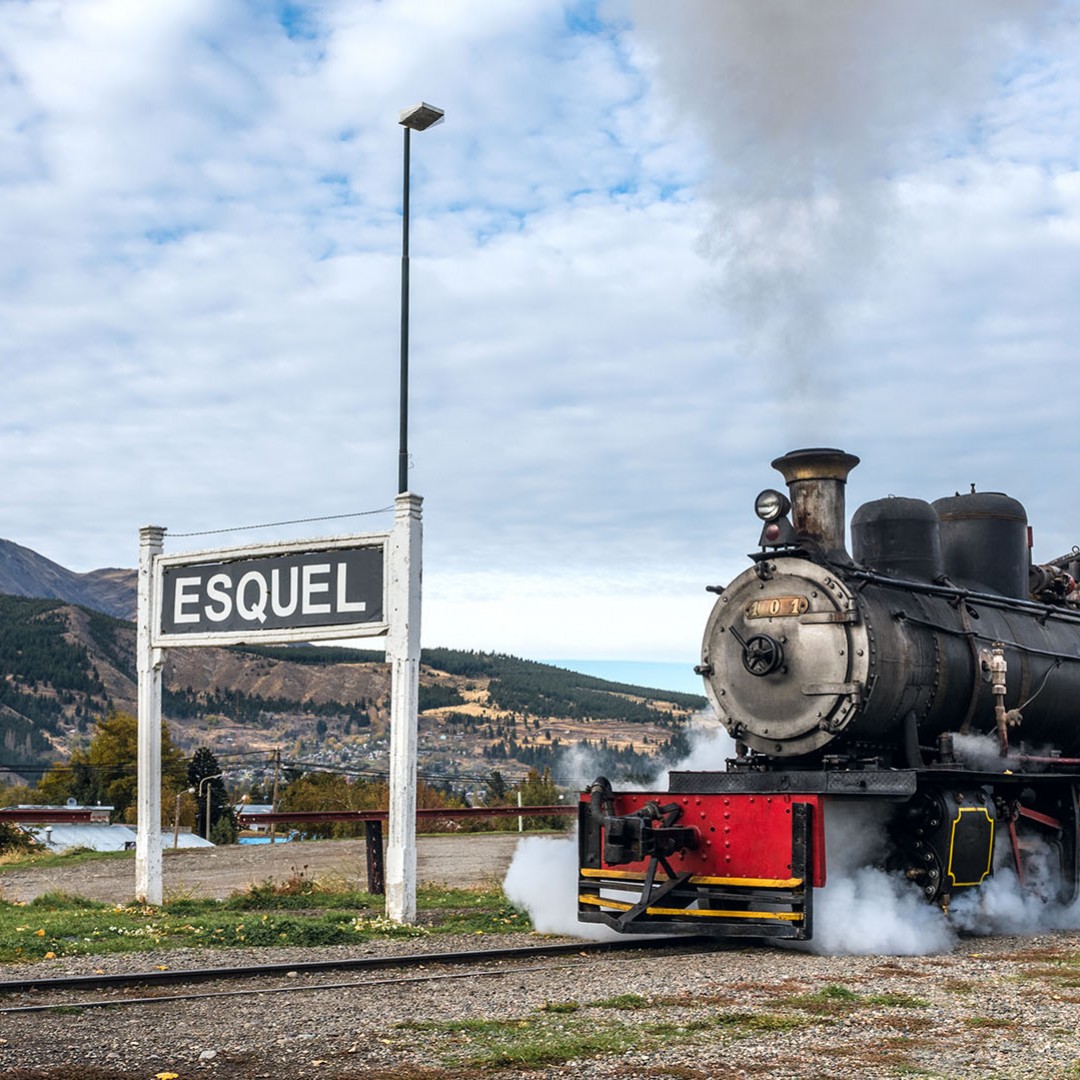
x,y
1044,864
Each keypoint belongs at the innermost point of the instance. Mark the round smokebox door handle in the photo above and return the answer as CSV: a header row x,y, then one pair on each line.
x,y
762,655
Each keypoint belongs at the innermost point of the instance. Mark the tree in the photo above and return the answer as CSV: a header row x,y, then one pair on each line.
x,y
496,789
18,794
429,797
259,791
540,790
106,772
316,791
204,775
12,838
224,830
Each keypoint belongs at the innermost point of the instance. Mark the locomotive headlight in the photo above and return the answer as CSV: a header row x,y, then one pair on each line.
x,y
770,505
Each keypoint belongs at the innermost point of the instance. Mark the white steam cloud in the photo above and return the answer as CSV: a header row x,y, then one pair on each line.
x,y
710,747
862,910
542,878
810,112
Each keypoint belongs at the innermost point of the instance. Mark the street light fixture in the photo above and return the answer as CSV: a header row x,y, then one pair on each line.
x,y
204,780
418,118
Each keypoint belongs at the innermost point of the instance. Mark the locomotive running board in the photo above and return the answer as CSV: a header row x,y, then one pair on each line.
x,y
699,904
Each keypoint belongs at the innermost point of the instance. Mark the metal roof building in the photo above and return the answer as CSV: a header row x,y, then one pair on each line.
x,y
103,837
60,828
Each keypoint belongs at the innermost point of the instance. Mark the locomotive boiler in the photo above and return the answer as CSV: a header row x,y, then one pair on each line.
x,y
861,680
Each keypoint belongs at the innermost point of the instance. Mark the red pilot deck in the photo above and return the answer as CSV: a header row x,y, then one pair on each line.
x,y
654,863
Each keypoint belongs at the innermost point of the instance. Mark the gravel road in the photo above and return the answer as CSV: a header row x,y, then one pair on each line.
x,y
470,859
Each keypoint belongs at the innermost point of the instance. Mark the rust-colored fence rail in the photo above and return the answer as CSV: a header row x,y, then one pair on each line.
x,y
48,815
246,819
372,821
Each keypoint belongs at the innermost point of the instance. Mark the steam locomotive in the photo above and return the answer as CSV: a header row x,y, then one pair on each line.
x,y
857,681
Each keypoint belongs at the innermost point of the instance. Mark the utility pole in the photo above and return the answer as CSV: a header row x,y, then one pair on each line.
x,y
273,797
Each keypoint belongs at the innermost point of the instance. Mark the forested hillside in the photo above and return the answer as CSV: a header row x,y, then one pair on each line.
x,y
49,682
63,667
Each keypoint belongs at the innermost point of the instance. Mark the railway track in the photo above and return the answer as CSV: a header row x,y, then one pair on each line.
x,y
512,961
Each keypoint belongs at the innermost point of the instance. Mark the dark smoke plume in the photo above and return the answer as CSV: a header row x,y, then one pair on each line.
x,y
811,110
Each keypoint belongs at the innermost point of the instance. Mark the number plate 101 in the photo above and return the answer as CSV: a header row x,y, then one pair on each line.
x,y
777,606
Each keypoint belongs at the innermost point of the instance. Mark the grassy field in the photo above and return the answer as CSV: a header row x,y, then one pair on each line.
x,y
299,911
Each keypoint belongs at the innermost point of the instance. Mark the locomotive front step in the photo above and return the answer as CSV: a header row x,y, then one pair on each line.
x,y
690,868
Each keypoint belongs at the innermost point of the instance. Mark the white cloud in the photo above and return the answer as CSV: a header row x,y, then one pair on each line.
x,y
199,288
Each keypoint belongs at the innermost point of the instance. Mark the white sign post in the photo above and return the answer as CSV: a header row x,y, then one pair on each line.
x,y
148,663
403,652
318,590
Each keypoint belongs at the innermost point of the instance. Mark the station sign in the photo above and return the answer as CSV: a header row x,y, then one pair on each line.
x,y
294,592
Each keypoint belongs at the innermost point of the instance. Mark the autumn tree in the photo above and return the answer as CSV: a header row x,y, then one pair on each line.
x,y
315,791
106,771
18,795
429,797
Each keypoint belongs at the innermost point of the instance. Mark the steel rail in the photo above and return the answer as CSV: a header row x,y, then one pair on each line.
x,y
292,988
360,963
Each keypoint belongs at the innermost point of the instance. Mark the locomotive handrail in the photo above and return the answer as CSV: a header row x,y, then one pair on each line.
x,y
1064,560
1005,603
1059,657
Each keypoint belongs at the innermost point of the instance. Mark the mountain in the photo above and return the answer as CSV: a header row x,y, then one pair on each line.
x,y
26,573
664,675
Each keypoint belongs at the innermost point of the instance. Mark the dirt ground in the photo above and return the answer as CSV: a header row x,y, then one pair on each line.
x,y
469,859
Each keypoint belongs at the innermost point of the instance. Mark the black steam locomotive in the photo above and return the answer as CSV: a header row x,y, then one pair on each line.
x,y
861,679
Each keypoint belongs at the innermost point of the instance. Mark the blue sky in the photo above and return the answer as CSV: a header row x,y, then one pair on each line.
x,y
653,247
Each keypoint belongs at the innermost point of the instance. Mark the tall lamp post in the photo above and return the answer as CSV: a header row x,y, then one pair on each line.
x,y
403,639
418,118
206,780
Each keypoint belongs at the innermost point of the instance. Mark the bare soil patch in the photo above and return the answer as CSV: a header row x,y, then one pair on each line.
x,y
462,859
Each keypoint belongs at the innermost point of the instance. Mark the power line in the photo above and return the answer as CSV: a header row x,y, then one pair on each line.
x,y
305,767
278,524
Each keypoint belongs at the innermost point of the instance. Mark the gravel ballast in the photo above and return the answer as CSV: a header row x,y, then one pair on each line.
x,y
993,1007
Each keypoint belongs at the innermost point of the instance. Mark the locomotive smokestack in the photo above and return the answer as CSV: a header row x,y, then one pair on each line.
x,y
816,480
